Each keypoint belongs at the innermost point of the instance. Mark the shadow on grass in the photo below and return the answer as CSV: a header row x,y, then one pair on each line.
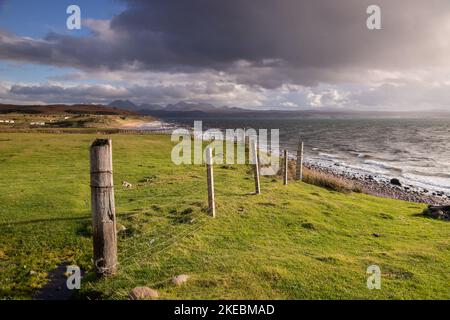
x,y
56,287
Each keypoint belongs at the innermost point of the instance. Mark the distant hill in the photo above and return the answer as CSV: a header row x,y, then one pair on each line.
x,y
62,108
128,105
181,106
124,104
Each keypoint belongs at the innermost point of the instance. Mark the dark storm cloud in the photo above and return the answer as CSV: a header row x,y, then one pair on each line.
x,y
281,41
301,34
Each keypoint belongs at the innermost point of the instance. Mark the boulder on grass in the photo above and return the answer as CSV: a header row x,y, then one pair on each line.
x,y
180,280
143,293
438,212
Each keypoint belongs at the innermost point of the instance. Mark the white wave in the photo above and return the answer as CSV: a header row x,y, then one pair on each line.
x,y
382,165
329,155
158,125
434,183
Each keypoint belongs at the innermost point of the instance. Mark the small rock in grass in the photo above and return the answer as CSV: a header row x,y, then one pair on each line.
x,y
126,184
143,293
376,235
180,280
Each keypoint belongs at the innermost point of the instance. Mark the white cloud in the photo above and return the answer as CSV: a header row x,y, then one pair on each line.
x,y
101,29
405,95
327,97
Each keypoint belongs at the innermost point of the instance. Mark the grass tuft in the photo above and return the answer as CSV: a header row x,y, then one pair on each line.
x,y
322,179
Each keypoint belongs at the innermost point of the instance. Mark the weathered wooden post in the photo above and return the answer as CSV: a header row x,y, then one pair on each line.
x,y
246,142
256,167
299,167
103,208
285,167
210,180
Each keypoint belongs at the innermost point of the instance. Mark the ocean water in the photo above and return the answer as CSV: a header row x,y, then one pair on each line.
x,y
417,151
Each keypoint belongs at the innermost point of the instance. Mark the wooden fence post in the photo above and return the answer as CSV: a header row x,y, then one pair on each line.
x,y
299,168
256,167
103,208
210,180
285,167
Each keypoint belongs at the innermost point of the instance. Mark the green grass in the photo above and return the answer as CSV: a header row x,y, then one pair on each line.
x,y
293,242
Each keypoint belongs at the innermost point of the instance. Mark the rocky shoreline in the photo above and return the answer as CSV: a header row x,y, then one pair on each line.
x,y
381,187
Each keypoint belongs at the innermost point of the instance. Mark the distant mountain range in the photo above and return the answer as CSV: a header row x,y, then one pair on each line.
x,y
204,110
181,106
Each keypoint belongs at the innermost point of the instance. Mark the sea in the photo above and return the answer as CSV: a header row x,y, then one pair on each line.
x,y
416,151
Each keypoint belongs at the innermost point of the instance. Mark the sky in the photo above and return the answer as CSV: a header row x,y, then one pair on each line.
x,y
257,54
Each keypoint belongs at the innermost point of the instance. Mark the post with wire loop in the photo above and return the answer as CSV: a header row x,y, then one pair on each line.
x,y
210,181
103,208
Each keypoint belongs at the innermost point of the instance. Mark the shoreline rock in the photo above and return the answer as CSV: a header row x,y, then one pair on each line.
x,y
438,212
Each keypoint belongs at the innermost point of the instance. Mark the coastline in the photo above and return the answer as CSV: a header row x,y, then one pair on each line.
x,y
384,188
369,183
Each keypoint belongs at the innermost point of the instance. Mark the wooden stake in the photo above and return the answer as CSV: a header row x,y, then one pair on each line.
x,y
103,208
299,167
210,181
286,163
256,167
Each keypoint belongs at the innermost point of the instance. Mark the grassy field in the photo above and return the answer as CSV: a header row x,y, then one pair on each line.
x,y
293,242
